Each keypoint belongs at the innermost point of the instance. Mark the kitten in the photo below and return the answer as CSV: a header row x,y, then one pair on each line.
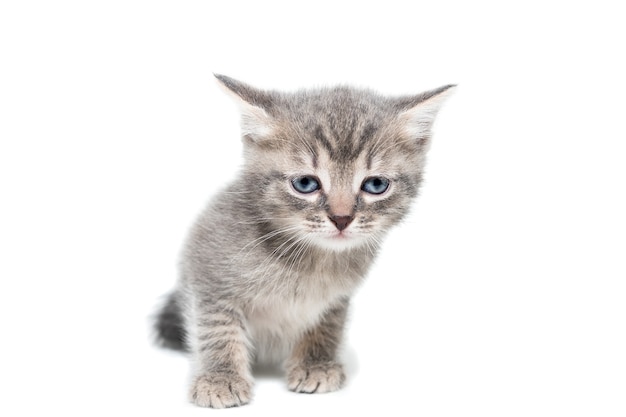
x,y
270,266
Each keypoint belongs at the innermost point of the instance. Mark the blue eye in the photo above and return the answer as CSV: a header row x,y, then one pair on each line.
x,y
305,184
375,185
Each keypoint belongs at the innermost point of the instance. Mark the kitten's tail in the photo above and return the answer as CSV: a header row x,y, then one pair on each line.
x,y
169,325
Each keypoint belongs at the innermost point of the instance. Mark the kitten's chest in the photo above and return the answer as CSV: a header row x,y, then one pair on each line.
x,y
274,329
297,302
287,318
277,321
288,301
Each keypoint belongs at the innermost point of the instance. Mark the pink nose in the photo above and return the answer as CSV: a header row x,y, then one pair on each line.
x,y
341,222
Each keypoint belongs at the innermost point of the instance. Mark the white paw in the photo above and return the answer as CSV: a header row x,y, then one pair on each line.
x,y
220,391
315,378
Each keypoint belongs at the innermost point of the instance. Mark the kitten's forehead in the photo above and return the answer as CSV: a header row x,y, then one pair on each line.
x,y
340,121
357,151
350,126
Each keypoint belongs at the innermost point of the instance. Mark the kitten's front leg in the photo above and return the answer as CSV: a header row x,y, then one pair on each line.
x,y
313,366
221,357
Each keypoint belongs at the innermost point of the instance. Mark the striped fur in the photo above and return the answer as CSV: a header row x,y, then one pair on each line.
x,y
267,272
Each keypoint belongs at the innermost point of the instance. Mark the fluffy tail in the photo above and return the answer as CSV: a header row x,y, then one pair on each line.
x,y
169,325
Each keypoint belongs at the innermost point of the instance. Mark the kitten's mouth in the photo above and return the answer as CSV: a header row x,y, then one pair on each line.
x,y
339,240
341,235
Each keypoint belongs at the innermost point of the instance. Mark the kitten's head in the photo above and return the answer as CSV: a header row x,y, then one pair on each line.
x,y
333,167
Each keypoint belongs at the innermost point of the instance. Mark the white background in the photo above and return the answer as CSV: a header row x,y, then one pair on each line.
x,y
502,295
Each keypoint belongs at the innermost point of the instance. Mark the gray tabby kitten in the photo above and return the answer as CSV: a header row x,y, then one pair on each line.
x,y
270,266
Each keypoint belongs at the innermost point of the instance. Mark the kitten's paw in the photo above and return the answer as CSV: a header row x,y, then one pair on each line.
x,y
315,378
220,391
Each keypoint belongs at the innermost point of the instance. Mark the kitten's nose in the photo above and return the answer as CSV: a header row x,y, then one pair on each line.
x,y
341,222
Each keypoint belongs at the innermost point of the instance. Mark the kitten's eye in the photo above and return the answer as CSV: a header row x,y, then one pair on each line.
x,y
375,185
305,184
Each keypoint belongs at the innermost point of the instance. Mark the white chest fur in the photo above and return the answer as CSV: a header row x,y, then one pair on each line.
x,y
275,325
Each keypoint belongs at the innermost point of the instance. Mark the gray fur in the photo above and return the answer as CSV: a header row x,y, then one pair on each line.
x,y
267,272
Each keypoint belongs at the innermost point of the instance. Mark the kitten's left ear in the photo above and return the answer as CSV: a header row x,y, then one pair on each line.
x,y
254,105
417,113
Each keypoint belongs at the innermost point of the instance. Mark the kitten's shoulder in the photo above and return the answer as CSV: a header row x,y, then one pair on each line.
x,y
222,221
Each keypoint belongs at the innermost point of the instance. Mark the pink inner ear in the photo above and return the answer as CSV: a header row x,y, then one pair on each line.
x,y
255,122
418,120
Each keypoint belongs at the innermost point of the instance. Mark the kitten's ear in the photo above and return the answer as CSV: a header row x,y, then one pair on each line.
x,y
417,113
253,104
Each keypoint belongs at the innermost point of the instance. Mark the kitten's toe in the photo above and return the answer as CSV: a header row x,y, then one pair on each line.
x,y
315,378
220,391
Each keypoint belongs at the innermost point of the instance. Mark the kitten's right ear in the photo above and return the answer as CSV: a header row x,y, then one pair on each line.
x,y
254,104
